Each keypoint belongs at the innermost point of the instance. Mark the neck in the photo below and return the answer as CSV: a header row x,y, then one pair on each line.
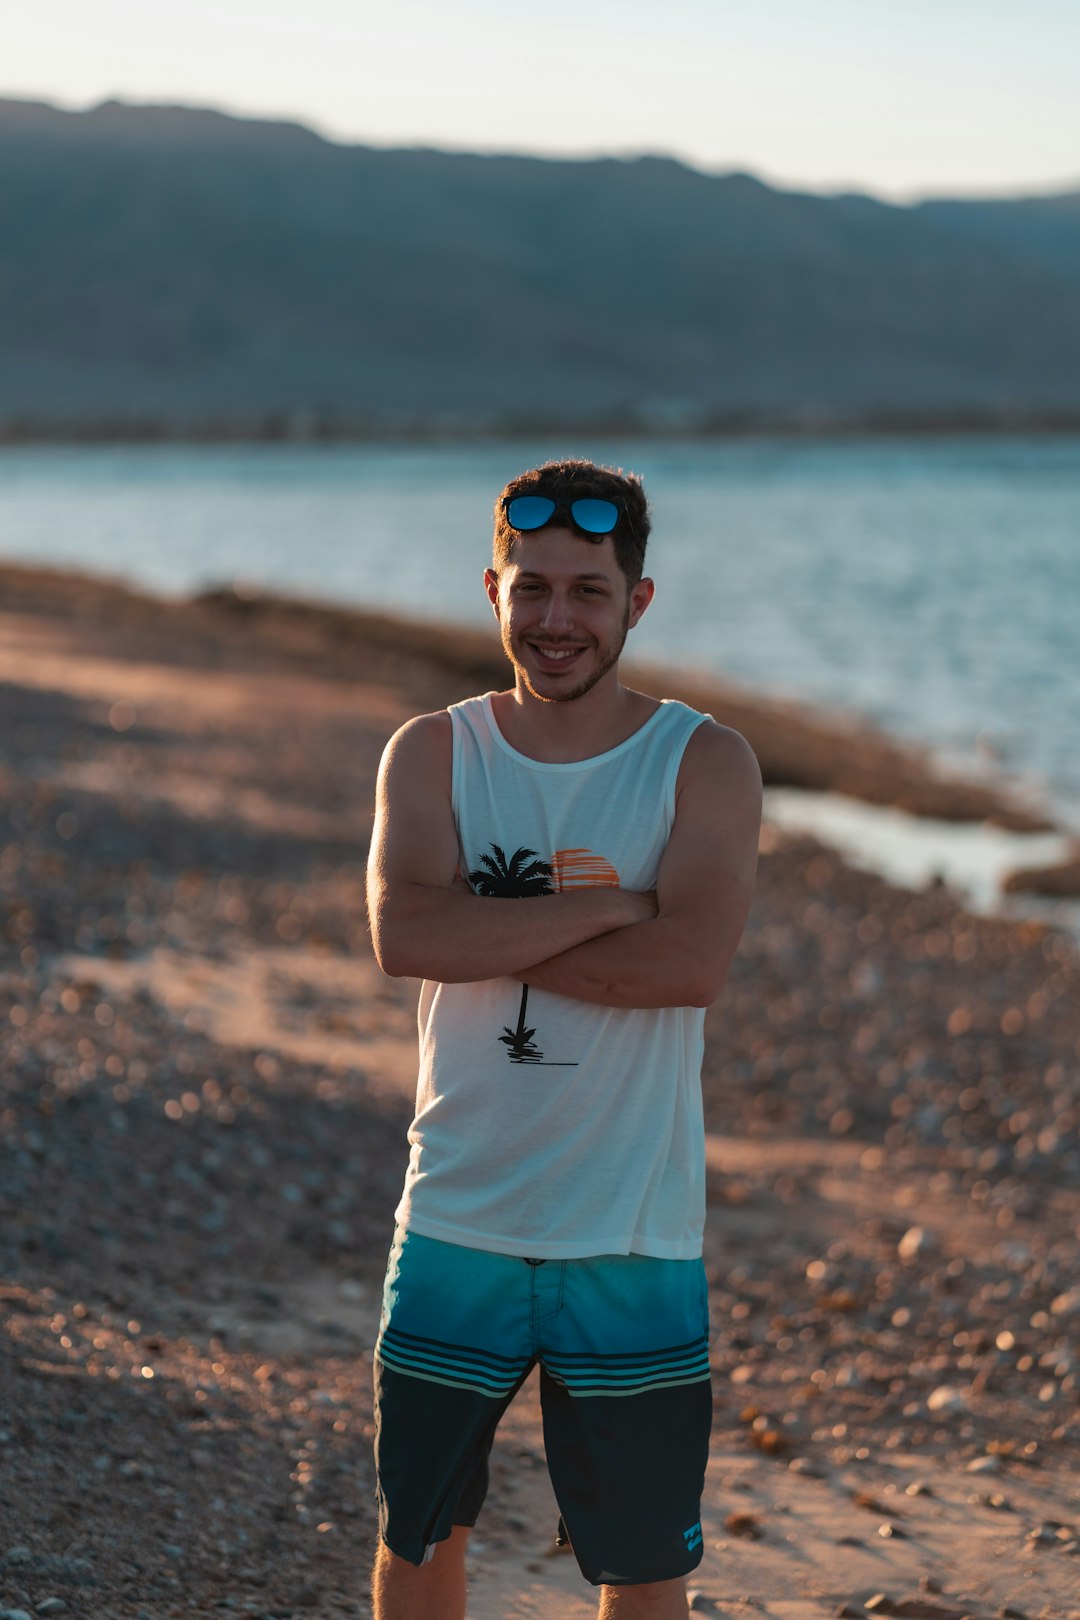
x,y
561,733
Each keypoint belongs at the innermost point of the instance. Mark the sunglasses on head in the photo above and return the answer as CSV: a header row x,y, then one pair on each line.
x,y
589,515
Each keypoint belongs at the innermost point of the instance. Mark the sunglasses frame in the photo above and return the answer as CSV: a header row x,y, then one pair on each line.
x,y
567,509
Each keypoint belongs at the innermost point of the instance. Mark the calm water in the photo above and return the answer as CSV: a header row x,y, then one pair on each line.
x,y
933,587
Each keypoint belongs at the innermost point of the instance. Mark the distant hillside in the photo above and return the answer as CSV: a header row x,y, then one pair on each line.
x,y
187,266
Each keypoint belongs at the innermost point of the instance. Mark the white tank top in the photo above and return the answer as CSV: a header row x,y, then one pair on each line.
x,y
546,1126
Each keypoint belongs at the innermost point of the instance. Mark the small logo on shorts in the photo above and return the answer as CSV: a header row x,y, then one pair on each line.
x,y
692,1537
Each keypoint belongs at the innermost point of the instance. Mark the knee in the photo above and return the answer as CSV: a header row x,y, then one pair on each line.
x,y
445,1553
649,1600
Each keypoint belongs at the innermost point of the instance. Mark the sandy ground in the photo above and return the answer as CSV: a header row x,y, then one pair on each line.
x,y
204,1090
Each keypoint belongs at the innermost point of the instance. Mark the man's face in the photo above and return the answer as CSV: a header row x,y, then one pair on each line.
x,y
564,607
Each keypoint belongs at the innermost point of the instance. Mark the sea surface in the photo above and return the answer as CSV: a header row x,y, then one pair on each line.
x,y
931,586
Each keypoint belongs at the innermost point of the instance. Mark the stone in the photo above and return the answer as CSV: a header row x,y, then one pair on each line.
x,y
916,1241
743,1524
920,1608
946,1398
990,1464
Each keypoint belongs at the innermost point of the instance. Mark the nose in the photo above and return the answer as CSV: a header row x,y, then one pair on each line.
x,y
558,616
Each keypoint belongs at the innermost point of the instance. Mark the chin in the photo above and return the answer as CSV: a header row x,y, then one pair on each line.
x,y
577,691
567,693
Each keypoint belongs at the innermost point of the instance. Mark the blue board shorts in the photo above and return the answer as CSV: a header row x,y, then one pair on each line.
x,y
622,1342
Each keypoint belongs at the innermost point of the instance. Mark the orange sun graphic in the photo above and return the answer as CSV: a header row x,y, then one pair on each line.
x,y
581,869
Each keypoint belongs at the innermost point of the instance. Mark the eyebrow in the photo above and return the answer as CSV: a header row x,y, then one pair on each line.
x,y
532,573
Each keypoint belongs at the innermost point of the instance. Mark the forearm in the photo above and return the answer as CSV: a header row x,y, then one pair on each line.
x,y
651,964
455,937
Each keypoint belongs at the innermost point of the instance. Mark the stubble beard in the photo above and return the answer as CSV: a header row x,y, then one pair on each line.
x,y
608,659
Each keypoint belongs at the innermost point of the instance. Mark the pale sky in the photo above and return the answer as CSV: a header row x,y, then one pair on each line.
x,y
901,98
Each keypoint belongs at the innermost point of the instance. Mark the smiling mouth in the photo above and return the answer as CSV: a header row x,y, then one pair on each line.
x,y
555,655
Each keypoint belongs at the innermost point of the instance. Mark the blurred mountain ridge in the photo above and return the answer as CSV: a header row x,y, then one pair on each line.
x,y
184,265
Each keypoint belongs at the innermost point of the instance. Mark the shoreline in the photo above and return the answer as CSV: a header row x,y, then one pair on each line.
x,y
820,766
803,749
799,745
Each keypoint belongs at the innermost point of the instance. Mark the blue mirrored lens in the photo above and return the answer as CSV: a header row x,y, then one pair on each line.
x,y
530,511
595,517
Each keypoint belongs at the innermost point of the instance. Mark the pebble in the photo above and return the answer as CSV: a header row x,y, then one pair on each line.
x,y
864,1499
14,1614
919,1608
990,1464
1066,1304
946,1398
699,1602
744,1524
808,1469
52,1605
916,1242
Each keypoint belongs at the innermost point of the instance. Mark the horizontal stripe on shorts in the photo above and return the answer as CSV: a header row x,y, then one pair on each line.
x,y
631,1372
459,1365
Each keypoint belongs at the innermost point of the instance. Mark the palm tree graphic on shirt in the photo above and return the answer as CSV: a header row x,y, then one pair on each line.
x,y
520,877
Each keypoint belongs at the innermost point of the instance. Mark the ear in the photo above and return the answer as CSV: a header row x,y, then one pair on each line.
x,y
491,585
641,595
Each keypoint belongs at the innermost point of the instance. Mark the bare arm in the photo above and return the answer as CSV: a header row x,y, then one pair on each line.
x,y
681,957
424,923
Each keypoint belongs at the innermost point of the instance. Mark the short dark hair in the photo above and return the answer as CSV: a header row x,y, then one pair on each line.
x,y
565,481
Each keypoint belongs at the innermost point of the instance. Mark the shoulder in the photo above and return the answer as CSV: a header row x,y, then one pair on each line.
x,y
421,744
718,759
423,731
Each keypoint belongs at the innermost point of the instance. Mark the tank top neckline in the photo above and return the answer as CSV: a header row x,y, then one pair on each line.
x,y
563,766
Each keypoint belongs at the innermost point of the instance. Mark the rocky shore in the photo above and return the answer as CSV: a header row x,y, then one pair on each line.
x,y
203,1092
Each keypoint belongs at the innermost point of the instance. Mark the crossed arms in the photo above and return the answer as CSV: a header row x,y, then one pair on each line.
x,y
614,947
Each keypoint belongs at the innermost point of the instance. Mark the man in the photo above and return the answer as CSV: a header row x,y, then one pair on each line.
x,y
554,1200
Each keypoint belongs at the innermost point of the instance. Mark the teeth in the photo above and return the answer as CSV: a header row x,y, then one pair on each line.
x,y
550,652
